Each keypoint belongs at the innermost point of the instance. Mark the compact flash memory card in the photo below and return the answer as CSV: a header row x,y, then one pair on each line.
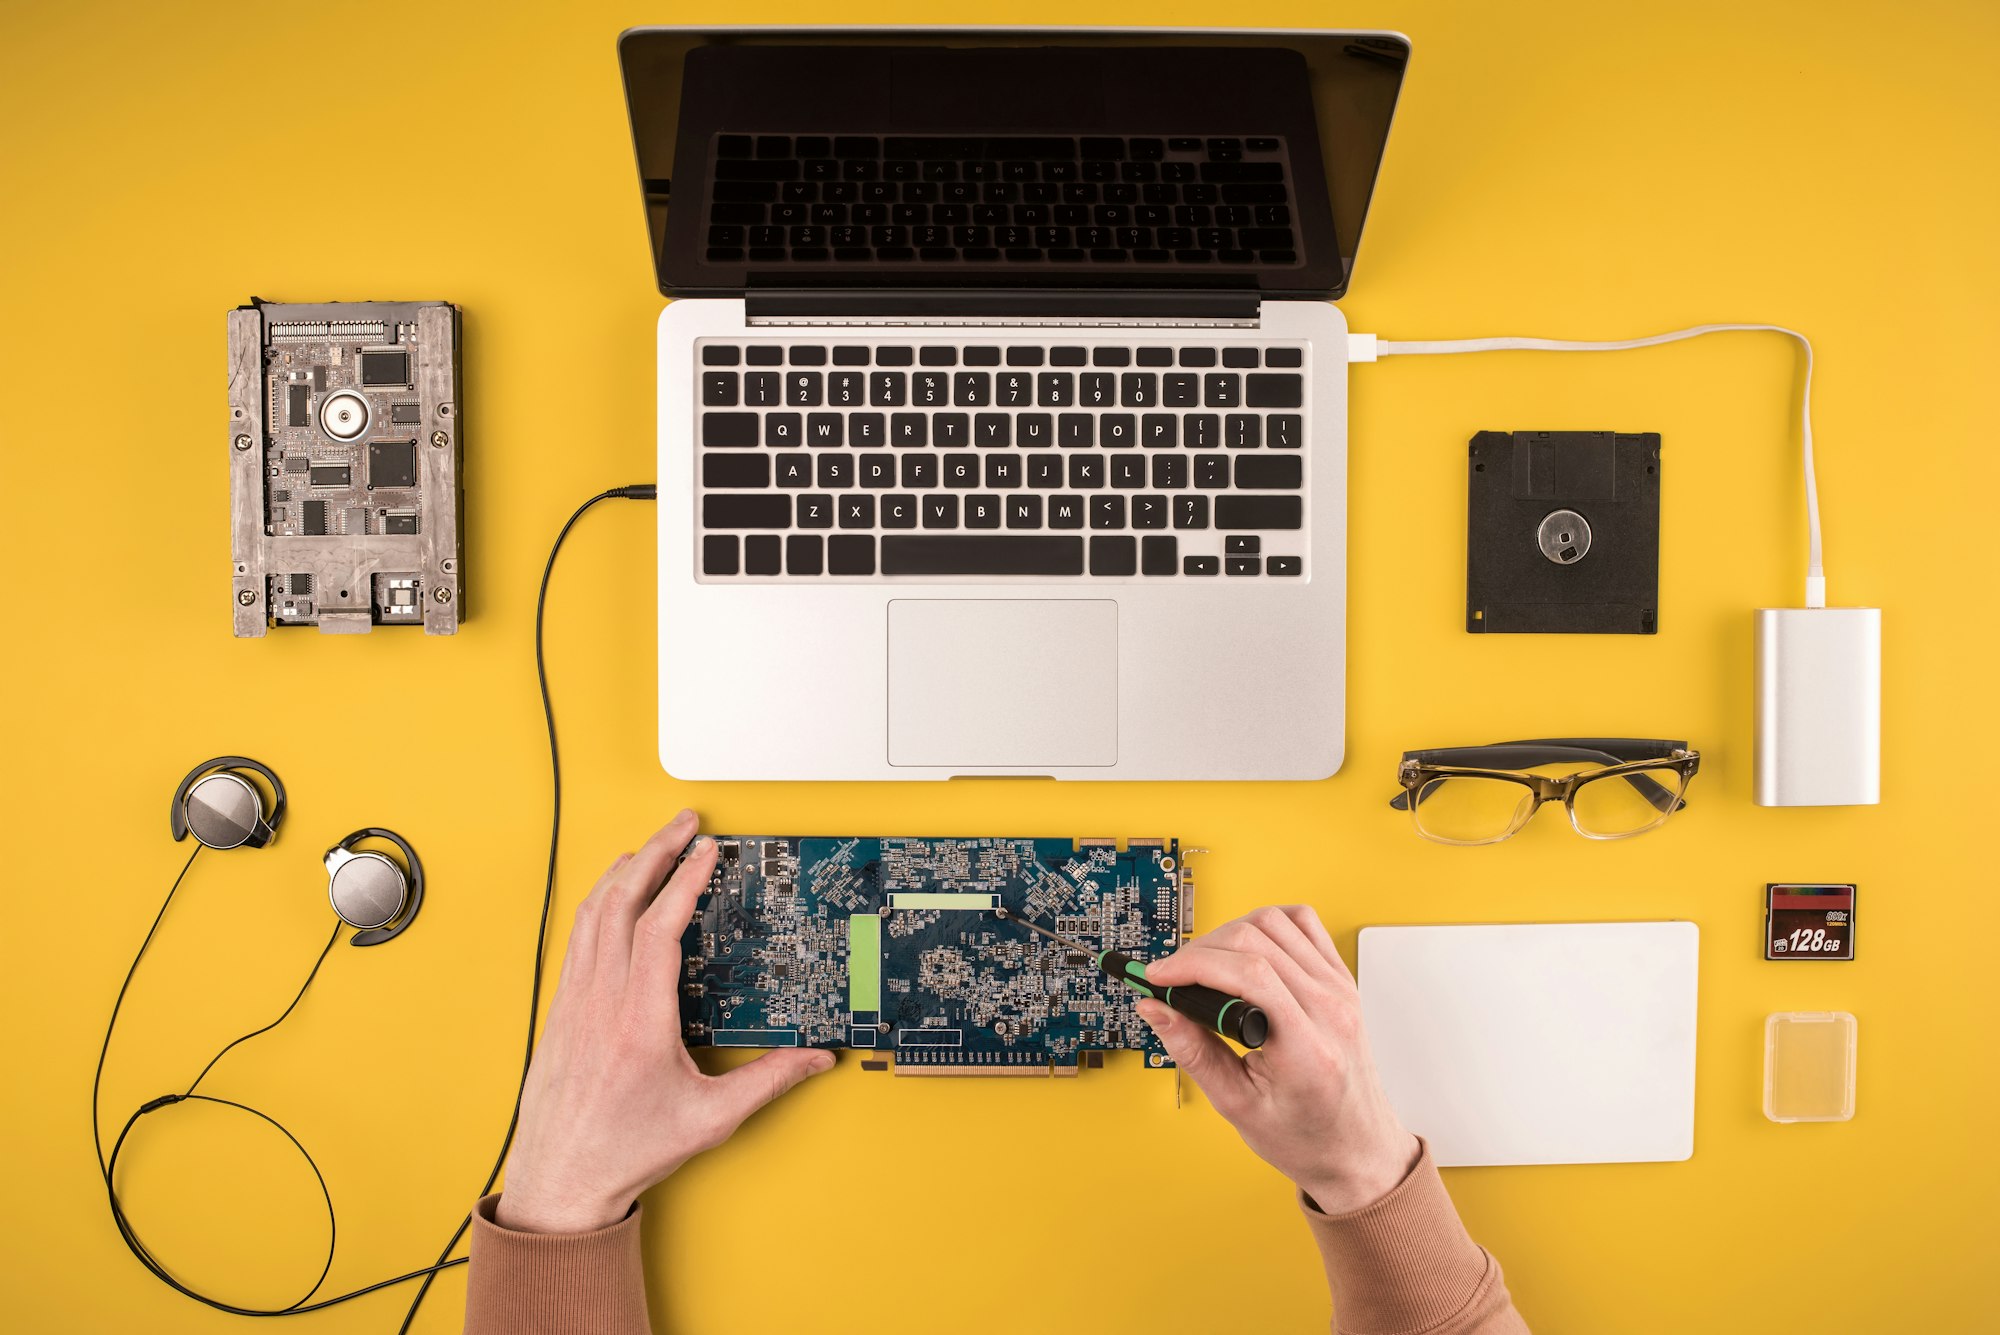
x,y
1808,922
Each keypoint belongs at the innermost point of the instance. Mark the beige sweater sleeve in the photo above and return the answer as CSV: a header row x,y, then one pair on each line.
x,y
1402,1266
1406,1266
555,1283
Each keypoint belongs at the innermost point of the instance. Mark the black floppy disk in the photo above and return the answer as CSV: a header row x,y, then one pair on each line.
x,y
1563,533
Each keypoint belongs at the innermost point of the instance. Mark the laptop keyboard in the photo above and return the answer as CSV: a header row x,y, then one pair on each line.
x,y
1144,200
980,460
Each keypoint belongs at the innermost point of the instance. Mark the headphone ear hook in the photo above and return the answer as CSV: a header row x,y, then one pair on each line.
x,y
413,868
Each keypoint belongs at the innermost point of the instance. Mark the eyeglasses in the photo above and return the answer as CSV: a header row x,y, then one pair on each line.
x,y
1614,787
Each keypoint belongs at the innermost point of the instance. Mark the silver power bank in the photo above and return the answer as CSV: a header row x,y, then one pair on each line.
x,y
1819,706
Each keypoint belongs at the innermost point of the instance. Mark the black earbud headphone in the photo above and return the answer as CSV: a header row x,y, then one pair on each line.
x,y
220,805
369,891
222,809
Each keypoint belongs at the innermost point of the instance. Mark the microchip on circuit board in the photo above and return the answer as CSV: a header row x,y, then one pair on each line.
x,y
893,945
344,463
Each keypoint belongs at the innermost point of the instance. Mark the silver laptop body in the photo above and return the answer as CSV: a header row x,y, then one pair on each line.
x,y
996,442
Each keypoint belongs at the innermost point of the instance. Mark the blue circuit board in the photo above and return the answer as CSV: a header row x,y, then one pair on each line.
x,y
894,945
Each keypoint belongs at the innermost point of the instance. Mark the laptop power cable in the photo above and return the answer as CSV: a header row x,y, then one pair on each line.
x,y
1819,668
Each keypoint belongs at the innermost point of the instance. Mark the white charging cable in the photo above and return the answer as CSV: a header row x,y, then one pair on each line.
x,y
1368,347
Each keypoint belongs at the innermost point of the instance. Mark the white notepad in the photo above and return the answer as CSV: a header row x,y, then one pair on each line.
x,y
1537,1043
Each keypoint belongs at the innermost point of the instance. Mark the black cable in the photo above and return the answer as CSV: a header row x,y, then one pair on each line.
x,y
633,493
444,1262
109,1167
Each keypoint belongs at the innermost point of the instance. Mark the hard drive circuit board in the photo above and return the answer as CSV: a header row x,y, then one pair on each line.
x,y
344,466
892,945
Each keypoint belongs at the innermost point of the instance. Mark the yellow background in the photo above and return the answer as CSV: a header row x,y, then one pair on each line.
x,y
1576,169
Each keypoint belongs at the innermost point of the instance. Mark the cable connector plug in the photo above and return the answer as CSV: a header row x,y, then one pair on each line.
x,y
1361,347
643,491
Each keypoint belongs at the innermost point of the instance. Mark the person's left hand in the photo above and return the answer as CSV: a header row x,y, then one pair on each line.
x,y
613,1103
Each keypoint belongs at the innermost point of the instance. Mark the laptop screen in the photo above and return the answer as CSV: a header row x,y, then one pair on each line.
x,y
980,158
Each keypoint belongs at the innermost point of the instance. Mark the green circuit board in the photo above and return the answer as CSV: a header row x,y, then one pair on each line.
x,y
892,946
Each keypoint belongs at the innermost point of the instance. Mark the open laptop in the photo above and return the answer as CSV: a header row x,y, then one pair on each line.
x,y
1002,409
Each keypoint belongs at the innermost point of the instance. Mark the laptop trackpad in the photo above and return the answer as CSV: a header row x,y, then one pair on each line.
x,y
1003,681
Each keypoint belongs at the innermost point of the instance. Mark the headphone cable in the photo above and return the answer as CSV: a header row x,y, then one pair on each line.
x,y
445,1261
631,493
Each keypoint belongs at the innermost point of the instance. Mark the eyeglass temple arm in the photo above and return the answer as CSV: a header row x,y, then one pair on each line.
x,y
1553,750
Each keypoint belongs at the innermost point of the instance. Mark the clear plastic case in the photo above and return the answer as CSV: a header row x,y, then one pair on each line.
x,y
1809,1066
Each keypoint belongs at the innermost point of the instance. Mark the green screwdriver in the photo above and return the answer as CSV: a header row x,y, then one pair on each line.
x,y
1232,1017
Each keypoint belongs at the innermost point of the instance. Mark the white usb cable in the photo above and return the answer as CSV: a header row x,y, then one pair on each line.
x,y
1368,347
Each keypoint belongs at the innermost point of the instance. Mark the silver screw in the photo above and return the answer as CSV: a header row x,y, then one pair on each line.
x,y
440,438
242,442
246,597
442,595
447,566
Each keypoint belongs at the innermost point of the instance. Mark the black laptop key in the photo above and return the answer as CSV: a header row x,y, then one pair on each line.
x,y
1284,356
850,554
1114,556
1190,512
1286,431
920,470
735,470
982,554
1034,431
1045,470
1225,390
897,356
1107,512
755,170
1197,356
835,470
1159,431
1243,431
1055,389
1242,544
1284,565
825,430
1265,390
1149,512
961,470
1270,472
899,511
1243,565
754,511
1202,565
793,470
762,554
718,354
805,554
1075,430
940,511
718,554
1259,512
783,430
1181,390
876,470
982,511
856,511
865,431
1128,470
1170,471
1065,512
1156,356
1159,555
1211,471
728,431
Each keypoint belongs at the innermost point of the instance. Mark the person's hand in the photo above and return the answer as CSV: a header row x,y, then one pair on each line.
x,y
613,1102
1308,1101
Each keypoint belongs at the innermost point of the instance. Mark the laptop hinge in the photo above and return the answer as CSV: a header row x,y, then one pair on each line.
x,y
898,306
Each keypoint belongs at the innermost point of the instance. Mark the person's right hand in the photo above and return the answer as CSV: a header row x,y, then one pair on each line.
x,y
1308,1101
